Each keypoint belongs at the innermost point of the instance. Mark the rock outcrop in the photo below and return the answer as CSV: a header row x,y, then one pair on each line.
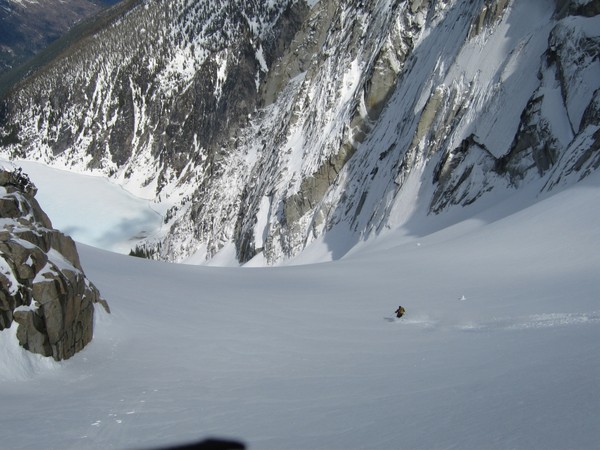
x,y
42,285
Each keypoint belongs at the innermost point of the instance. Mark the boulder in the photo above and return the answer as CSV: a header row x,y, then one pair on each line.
x,y
42,285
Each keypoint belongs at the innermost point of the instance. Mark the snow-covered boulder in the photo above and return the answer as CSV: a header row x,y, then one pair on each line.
x,y
43,288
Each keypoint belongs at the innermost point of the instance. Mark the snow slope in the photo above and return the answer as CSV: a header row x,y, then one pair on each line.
x,y
499,347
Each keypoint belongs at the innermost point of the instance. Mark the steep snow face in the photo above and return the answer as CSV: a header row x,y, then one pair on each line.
x,y
456,116
270,126
403,104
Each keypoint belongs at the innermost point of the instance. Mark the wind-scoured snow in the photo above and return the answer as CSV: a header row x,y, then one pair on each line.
x,y
498,348
502,65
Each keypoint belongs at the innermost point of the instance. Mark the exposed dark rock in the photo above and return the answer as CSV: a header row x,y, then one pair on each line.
x,y
534,146
577,8
455,175
491,12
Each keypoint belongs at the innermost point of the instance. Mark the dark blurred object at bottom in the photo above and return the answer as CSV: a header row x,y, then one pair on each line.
x,y
211,444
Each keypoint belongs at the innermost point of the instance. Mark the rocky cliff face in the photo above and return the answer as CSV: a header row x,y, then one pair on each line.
x,y
168,85
42,286
268,126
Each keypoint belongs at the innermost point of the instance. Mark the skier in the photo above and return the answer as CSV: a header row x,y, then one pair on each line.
x,y
400,311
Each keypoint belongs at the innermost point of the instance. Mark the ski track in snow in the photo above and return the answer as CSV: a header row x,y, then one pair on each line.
x,y
536,321
531,322
122,413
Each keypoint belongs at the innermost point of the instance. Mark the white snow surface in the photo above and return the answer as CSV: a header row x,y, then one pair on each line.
x,y
498,349
92,209
23,2
504,68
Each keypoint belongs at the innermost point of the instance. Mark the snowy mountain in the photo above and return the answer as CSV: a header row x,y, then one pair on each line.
x,y
441,155
27,26
265,126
